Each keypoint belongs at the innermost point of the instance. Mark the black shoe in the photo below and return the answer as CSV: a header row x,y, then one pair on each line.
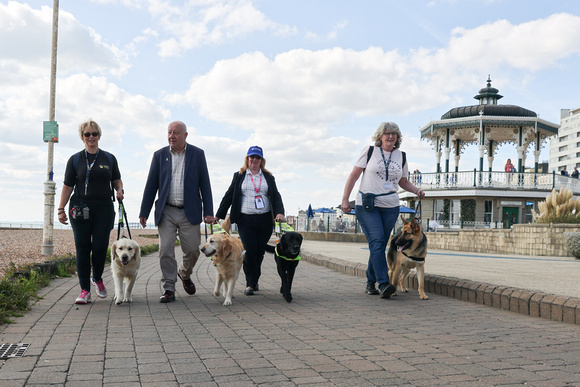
x,y
256,288
371,289
387,290
188,285
249,291
168,296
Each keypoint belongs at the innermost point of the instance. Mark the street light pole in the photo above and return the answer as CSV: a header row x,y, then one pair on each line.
x,y
47,248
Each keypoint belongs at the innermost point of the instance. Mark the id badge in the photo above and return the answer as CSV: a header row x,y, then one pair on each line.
x,y
389,185
259,202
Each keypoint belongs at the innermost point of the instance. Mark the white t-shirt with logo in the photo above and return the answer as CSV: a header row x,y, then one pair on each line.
x,y
374,178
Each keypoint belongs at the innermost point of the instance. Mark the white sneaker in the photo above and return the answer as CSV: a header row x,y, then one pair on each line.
x,y
101,291
83,298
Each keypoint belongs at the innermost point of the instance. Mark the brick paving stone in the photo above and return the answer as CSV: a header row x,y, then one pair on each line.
x,y
473,335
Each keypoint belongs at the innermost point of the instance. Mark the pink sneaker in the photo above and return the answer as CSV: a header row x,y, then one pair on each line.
x,y
101,291
83,298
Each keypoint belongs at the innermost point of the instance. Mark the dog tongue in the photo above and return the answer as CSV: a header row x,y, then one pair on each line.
x,y
400,248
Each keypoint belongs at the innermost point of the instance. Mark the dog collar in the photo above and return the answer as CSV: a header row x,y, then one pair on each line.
x,y
417,259
224,259
298,258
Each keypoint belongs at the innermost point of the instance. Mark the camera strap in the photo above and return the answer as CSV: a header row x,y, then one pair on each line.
x,y
122,214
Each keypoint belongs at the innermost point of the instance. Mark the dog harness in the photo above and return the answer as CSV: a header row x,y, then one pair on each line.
x,y
298,258
417,259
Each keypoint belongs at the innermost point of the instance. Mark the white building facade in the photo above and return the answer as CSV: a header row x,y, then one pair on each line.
x,y
565,147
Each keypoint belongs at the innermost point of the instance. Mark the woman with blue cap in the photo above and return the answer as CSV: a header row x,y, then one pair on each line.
x,y
255,204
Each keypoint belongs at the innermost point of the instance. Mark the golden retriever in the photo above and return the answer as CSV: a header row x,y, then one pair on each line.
x,y
125,262
227,254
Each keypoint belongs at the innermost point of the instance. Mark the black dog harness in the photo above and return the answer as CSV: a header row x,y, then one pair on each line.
x,y
416,259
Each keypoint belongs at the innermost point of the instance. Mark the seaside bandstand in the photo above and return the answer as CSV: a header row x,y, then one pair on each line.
x,y
486,198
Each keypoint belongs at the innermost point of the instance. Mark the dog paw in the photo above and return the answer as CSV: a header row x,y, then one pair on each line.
x,y
288,297
217,293
227,302
424,297
128,300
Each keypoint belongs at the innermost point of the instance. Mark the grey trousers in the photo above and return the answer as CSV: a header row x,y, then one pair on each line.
x,y
174,222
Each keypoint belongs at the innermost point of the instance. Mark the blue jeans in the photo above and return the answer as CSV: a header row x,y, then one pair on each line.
x,y
377,226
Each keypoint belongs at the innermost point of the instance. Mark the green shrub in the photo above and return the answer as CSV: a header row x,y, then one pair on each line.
x,y
18,293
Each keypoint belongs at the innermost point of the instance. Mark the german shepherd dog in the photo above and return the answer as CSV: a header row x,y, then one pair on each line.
x,y
287,255
407,250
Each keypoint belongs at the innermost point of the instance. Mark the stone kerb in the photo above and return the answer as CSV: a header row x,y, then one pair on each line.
x,y
547,306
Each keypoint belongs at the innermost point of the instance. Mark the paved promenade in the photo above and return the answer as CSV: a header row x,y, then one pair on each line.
x,y
331,334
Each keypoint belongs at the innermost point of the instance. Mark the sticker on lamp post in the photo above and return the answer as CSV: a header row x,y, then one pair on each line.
x,y
50,131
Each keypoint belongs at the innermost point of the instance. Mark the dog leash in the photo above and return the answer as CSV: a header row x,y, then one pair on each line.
x,y
418,209
122,214
278,230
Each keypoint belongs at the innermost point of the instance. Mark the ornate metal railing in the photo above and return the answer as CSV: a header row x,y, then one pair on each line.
x,y
495,180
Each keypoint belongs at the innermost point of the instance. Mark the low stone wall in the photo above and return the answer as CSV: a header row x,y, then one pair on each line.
x,y
522,239
334,237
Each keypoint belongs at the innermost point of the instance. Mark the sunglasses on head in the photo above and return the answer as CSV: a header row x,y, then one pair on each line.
x,y
89,134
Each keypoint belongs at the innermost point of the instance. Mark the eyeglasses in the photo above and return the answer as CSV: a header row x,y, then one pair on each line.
x,y
89,134
390,134
254,157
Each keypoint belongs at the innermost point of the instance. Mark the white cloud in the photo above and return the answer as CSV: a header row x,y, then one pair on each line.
x,y
303,90
209,23
27,40
329,36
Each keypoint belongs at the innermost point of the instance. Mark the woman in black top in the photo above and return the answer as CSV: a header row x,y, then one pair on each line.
x,y
255,201
93,174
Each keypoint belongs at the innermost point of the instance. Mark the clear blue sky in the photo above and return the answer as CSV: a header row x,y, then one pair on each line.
x,y
309,81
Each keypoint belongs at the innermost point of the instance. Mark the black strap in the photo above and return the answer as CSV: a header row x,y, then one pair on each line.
x,y
418,210
417,259
370,153
122,214
383,194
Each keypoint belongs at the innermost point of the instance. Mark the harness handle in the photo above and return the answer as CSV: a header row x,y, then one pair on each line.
x,y
418,209
122,214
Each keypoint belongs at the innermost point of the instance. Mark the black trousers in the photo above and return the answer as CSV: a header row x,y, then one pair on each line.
x,y
92,241
255,232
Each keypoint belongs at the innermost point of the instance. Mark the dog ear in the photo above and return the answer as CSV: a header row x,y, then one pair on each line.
x,y
225,247
404,220
113,251
138,251
415,225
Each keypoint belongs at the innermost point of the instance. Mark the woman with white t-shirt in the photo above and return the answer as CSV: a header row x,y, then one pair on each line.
x,y
385,170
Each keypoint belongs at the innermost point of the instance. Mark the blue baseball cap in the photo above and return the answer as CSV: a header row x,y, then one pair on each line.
x,y
255,150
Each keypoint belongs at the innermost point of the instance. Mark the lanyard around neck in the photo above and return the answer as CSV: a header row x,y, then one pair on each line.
x,y
89,167
258,187
387,163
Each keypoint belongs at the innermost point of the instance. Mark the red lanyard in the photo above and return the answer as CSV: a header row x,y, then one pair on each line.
x,y
260,186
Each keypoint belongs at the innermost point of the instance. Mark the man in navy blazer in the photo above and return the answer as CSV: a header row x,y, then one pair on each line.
x,y
179,177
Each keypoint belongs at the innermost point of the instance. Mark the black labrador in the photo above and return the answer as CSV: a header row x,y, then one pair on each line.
x,y
287,255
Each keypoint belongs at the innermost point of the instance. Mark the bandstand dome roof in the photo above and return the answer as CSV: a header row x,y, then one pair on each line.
x,y
501,122
488,110
488,97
